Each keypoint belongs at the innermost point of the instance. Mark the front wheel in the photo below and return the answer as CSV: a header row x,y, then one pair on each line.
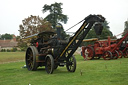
x,y
107,55
126,54
120,54
49,67
30,58
71,64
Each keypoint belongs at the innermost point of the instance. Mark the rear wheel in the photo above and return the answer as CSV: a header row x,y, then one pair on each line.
x,y
89,53
126,54
120,54
107,55
115,54
30,58
49,67
71,64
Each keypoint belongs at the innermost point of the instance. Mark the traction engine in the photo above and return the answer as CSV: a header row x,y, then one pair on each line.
x,y
49,51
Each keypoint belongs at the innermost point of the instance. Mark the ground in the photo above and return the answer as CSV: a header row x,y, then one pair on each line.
x,y
91,72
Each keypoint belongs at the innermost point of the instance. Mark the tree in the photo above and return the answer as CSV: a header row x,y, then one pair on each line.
x,y
104,35
105,24
21,44
125,28
55,15
33,25
6,36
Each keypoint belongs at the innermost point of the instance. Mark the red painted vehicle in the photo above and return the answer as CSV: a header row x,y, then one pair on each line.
x,y
108,49
124,48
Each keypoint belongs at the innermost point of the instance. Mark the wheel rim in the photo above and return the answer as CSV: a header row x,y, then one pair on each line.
x,y
71,64
126,54
120,54
49,64
107,55
29,59
90,54
115,54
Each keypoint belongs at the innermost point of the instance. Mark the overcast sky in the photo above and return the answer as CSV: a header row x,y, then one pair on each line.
x,y
12,12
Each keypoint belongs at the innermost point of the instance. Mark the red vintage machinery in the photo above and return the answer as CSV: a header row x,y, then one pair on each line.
x,y
124,48
100,48
108,49
125,51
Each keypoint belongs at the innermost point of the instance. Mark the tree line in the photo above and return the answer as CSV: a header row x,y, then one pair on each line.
x,y
6,36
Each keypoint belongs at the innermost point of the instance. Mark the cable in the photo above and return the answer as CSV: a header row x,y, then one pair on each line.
x,y
75,25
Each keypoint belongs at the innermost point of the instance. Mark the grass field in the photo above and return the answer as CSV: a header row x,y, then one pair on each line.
x,y
94,72
6,57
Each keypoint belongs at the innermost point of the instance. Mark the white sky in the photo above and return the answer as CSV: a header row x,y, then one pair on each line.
x,y
12,12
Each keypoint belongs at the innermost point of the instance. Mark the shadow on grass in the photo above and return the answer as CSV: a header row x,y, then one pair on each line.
x,y
59,70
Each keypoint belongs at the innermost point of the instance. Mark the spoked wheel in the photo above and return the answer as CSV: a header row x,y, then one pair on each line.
x,y
71,64
126,54
89,53
30,59
115,54
49,67
120,54
107,55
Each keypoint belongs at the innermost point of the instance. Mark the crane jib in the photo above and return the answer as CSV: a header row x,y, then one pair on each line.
x,y
73,39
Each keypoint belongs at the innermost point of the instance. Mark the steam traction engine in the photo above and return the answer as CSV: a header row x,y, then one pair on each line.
x,y
46,50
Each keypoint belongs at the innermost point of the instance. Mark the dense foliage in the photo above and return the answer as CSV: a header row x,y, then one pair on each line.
x,y
125,28
33,25
6,36
56,16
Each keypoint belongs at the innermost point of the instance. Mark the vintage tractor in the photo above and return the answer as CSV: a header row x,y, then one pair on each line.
x,y
124,47
97,50
108,49
49,51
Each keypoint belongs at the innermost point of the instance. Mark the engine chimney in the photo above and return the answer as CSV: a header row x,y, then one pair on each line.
x,y
58,31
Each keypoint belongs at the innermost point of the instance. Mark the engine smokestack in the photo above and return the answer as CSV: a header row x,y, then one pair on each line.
x,y
58,31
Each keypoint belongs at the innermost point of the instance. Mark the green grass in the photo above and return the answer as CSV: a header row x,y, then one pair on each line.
x,y
94,72
11,56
